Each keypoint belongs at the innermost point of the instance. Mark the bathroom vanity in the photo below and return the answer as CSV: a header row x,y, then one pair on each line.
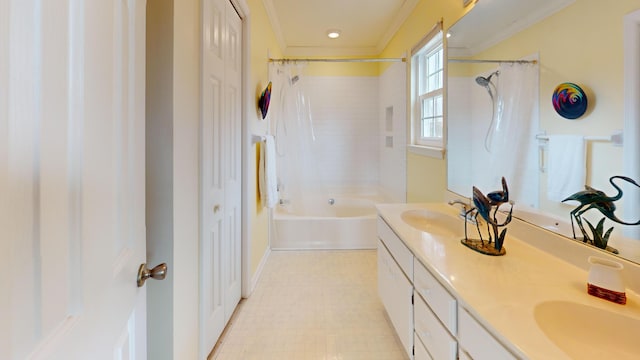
x,y
447,301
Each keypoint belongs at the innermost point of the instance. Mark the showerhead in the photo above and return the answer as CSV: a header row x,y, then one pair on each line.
x,y
485,81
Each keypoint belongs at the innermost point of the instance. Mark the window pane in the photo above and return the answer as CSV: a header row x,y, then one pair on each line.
x,y
427,108
438,106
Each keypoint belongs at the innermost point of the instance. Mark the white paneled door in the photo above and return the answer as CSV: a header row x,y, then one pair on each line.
x,y
72,231
221,168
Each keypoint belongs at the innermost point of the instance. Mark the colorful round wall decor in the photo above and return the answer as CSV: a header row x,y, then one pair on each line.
x,y
569,100
265,99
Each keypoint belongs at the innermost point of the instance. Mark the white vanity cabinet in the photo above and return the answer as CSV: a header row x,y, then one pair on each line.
x,y
435,318
427,318
476,342
422,312
395,286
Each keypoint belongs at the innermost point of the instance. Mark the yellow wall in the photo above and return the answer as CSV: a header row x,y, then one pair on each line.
x,y
582,44
263,44
342,69
426,176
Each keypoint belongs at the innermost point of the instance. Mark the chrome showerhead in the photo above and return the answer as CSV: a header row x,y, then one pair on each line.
x,y
485,81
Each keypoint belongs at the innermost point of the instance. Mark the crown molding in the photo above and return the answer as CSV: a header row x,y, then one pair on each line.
x,y
275,24
402,15
517,26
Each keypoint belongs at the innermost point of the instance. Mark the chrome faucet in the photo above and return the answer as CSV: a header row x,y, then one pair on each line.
x,y
465,211
465,207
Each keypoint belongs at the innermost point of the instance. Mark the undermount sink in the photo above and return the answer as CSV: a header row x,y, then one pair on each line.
x,y
433,222
586,332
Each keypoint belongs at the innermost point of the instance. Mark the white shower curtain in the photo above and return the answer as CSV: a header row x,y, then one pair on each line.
x,y
512,143
292,126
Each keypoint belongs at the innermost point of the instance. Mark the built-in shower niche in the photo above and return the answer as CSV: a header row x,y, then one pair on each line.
x,y
388,116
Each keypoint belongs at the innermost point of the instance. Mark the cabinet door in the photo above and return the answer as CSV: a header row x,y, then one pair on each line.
x,y
421,352
395,292
477,341
435,337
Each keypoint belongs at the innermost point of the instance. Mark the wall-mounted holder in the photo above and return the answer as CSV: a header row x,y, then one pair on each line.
x,y
487,207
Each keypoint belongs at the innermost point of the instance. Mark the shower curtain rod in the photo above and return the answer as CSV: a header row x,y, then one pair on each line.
x,y
341,60
495,61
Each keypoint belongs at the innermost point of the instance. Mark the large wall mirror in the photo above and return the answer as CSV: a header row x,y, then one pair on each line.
x,y
505,60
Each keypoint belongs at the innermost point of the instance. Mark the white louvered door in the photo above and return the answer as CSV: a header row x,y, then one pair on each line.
x,y
220,168
72,231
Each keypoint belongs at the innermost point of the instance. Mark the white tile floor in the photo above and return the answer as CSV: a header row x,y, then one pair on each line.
x,y
320,305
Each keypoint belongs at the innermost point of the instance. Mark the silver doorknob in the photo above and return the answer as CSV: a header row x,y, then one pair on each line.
x,y
159,273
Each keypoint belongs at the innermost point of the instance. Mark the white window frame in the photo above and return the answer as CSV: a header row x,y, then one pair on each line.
x,y
429,146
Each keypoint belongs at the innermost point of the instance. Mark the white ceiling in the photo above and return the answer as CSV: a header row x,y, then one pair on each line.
x,y
367,26
491,21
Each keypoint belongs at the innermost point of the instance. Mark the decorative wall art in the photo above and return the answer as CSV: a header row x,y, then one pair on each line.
x,y
265,98
569,100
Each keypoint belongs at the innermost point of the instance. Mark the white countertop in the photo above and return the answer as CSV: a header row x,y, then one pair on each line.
x,y
502,291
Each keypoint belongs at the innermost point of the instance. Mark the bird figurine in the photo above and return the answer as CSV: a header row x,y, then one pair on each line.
x,y
498,197
591,198
483,206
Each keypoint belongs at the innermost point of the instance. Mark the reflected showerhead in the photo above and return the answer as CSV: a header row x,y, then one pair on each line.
x,y
485,81
295,79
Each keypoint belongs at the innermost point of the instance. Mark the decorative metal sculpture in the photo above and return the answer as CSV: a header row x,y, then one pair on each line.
x,y
487,207
591,198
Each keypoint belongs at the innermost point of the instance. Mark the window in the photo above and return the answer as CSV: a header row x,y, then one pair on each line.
x,y
427,79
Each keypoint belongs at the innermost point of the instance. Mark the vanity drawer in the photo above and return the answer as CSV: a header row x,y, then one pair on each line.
x,y
477,341
437,297
402,255
396,291
420,352
436,339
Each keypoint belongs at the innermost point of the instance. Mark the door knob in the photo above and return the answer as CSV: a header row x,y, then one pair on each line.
x,y
159,273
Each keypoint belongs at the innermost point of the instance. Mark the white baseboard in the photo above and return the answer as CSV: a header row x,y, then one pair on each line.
x,y
256,276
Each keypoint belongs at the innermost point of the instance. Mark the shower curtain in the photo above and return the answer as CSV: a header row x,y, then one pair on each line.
x,y
292,126
512,146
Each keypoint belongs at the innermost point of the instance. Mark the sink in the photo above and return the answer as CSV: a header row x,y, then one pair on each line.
x,y
586,332
434,222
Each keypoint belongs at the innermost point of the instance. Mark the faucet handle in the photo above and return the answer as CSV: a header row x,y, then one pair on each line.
x,y
465,207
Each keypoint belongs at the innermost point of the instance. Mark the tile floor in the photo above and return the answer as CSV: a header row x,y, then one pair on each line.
x,y
320,305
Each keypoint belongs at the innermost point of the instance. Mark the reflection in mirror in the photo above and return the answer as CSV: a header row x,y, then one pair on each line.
x,y
501,121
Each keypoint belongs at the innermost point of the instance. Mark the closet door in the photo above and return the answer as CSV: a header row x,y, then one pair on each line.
x,y
220,168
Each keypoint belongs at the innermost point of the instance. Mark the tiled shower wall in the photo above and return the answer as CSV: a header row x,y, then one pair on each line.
x,y
392,112
349,124
345,120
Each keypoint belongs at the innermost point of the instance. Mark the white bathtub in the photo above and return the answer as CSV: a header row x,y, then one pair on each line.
x,y
350,223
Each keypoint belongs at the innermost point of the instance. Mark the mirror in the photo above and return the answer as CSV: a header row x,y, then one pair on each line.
x,y
571,41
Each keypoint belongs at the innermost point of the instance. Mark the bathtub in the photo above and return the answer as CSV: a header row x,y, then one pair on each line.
x,y
348,223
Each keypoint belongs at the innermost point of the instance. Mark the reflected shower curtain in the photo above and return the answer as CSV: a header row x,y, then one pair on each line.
x,y
292,126
512,143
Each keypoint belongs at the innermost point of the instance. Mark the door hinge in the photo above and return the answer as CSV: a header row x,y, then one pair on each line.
x,y
413,350
412,295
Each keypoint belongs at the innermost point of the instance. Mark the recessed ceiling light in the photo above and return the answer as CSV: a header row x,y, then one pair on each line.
x,y
448,35
333,33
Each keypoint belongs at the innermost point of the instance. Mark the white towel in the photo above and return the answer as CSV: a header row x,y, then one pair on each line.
x,y
567,168
267,178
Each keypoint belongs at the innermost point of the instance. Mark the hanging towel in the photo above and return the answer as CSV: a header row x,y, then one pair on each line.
x,y
567,168
267,178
